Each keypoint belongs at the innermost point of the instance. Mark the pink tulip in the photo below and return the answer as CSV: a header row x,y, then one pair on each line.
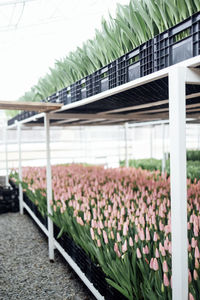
x,y
193,242
157,253
151,263
118,237
165,266
191,297
125,229
189,276
196,253
141,234
98,243
196,264
138,253
105,237
92,233
147,234
165,280
147,249
130,241
136,238
155,264
124,247
155,237
195,275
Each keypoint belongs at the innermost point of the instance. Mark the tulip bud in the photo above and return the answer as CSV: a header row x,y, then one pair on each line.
x,y
191,297
165,266
196,264
92,233
196,253
195,275
138,253
193,242
157,253
136,238
130,241
189,276
124,247
151,263
155,237
155,264
165,280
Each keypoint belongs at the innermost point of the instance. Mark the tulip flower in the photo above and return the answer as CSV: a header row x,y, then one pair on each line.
x,y
122,212
191,297
165,267
138,253
165,280
155,264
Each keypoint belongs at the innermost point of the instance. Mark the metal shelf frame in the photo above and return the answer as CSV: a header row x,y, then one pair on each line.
x,y
178,76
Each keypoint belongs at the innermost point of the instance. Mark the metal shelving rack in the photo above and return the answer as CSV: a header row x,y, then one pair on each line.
x,y
177,77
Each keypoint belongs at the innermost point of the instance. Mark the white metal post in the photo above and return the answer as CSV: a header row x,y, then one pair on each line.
x,y
163,148
6,155
20,169
151,141
49,188
198,146
177,79
126,143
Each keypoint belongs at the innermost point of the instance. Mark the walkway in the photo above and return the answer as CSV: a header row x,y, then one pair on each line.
x,y
25,270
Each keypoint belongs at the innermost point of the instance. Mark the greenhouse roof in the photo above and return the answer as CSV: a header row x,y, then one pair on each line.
x,y
143,99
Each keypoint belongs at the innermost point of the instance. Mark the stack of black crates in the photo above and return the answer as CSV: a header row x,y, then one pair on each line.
x,y
9,201
174,45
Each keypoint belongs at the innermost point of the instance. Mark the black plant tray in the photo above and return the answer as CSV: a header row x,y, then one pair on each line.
x,y
30,204
93,272
35,210
174,45
9,201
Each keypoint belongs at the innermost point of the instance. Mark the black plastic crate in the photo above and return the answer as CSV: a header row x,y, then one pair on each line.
x,y
9,201
65,96
89,85
128,67
54,98
82,89
12,121
136,63
35,210
178,43
105,78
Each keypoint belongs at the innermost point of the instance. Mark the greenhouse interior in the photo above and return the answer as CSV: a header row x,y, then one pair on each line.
x,y
100,160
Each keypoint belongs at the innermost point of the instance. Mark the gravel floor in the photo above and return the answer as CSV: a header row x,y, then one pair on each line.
x,y
25,270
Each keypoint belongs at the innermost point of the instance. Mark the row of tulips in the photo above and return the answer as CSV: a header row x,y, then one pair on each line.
x,y
121,218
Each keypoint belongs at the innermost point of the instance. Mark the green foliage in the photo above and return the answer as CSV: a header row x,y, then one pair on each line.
x,y
193,155
152,164
133,25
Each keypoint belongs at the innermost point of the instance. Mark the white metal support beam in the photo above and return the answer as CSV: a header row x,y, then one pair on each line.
x,y
151,141
49,187
6,153
163,148
177,118
193,76
126,143
20,168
